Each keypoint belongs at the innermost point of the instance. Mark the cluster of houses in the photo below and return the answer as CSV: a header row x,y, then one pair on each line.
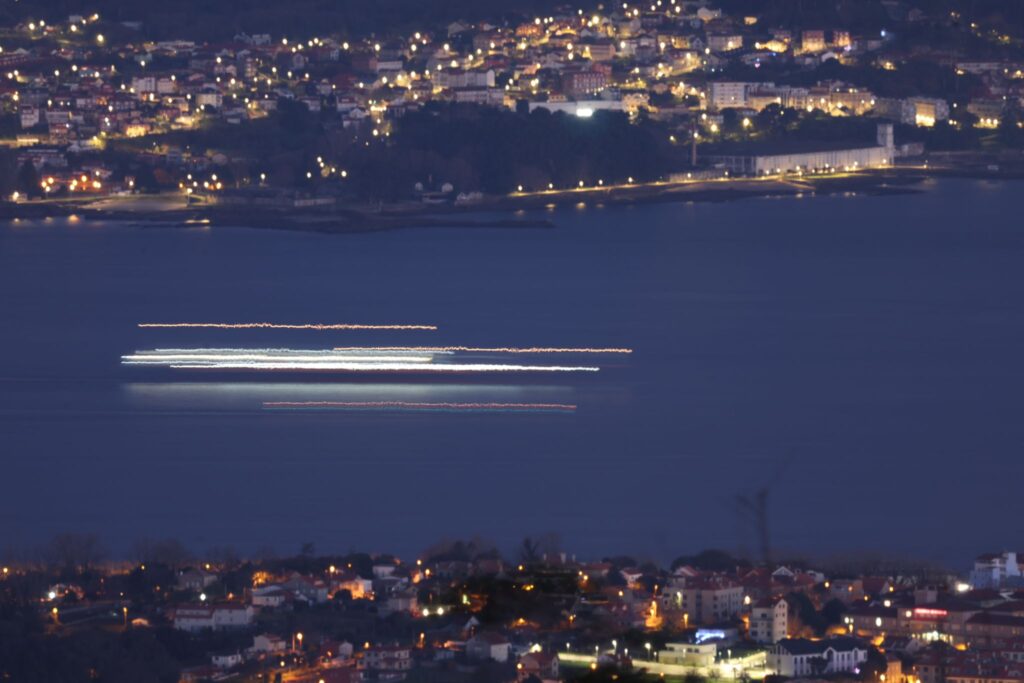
x,y
666,58
750,621
553,615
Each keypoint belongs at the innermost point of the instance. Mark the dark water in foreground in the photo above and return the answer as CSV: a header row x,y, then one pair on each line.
x,y
862,356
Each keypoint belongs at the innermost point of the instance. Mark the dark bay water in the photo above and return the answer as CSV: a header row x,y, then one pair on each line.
x,y
860,356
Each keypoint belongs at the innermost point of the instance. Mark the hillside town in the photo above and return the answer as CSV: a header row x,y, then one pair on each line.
x,y
93,108
463,613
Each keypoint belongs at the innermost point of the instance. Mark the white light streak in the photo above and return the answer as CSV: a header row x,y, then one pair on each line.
x,y
382,367
255,357
366,360
288,326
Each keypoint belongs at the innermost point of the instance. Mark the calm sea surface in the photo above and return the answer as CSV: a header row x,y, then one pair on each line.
x,y
862,358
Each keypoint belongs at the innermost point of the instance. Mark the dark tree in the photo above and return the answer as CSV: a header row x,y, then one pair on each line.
x,y
28,180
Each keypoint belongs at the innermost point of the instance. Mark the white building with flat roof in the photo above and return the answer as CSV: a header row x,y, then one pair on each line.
x,y
212,617
809,158
689,654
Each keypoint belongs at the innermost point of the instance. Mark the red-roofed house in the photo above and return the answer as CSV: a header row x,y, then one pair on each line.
x,y
543,665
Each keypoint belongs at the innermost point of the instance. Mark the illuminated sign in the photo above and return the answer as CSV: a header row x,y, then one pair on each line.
x,y
706,634
930,613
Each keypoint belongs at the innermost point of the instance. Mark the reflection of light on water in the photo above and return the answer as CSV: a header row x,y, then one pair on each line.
x,y
252,395
436,406
288,326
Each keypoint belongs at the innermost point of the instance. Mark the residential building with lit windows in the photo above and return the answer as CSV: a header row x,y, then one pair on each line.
x,y
873,620
812,40
731,94
725,42
769,620
704,600
988,628
585,82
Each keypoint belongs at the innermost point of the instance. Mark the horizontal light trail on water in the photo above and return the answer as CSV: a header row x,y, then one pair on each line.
x,y
381,366
327,360
169,358
485,349
411,405
288,326
368,352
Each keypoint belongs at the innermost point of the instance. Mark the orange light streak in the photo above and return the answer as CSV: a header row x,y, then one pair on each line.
x,y
483,349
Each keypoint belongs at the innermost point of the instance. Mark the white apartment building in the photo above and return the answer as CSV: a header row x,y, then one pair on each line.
x,y
726,94
992,570
769,621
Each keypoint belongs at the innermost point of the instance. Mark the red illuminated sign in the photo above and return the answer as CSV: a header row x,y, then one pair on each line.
x,y
930,613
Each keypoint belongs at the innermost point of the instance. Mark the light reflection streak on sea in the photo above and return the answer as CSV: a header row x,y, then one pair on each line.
x,y
252,395
421,406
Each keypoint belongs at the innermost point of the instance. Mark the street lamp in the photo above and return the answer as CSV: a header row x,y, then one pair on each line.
x,y
647,646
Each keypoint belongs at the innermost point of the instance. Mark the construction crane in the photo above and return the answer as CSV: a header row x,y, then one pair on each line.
x,y
752,510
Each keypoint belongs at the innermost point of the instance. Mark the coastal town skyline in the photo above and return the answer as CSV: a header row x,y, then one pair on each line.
x,y
661,101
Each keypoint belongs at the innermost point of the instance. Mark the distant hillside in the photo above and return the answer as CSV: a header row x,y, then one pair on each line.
x,y
219,19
